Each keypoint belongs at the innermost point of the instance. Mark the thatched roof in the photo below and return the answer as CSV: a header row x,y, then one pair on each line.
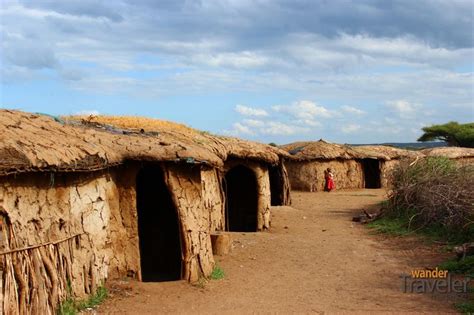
x,y
450,152
322,150
383,152
315,150
34,142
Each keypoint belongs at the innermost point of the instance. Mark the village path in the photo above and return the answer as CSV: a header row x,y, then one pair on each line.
x,y
314,259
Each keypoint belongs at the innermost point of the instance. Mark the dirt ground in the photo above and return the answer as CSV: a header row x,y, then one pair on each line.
x,y
314,259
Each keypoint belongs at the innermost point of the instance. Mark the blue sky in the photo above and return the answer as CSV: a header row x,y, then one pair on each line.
x,y
362,71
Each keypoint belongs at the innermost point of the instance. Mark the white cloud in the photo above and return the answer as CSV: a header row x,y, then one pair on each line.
x,y
240,129
350,128
403,108
276,128
249,111
245,59
352,110
253,123
305,110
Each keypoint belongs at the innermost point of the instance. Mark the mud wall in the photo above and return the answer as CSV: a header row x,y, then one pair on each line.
x,y
309,175
213,198
90,223
386,169
186,191
48,208
286,185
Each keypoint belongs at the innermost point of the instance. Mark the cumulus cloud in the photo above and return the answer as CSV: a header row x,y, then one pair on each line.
x,y
249,111
253,123
352,110
305,110
403,108
279,128
397,54
241,129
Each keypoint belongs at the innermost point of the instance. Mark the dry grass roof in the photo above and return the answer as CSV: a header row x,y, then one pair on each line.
x,y
384,152
31,142
450,152
314,150
322,150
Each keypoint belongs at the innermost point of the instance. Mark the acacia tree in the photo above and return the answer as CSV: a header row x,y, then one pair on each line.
x,y
453,133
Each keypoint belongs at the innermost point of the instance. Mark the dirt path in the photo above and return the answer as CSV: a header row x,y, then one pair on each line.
x,y
314,259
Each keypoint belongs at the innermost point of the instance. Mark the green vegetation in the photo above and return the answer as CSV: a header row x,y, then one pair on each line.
x,y
455,134
465,307
71,306
273,144
464,266
433,198
217,273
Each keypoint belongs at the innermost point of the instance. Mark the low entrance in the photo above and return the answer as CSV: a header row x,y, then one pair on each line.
x,y
242,199
371,169
276,185
158,227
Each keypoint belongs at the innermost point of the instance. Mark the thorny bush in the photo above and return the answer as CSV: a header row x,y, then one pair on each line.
x,y
433,191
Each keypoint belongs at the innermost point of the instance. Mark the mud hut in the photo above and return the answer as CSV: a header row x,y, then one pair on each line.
x,y
378,161
353,167
83,201
253,176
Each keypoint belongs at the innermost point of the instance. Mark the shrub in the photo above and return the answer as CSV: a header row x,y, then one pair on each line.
x,y
433,192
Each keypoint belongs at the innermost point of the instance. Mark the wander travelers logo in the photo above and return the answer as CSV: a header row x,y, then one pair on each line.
x,y
433,281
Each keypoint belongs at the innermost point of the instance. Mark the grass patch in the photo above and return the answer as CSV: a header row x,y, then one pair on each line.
x,y
391,226
465,307
403,225
464,266
71,306
217,273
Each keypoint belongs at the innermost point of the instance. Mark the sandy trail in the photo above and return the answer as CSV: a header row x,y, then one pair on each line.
x,y
314,259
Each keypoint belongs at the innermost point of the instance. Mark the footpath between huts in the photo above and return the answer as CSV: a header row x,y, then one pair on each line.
x,y
314,259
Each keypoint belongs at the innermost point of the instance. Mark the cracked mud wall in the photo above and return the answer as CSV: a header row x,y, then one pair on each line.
x,y
42,208
309,175
90,219
186,191
213,198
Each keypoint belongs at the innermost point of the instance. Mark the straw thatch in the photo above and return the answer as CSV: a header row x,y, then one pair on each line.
x,y
318,150
450,152
33,142
383,152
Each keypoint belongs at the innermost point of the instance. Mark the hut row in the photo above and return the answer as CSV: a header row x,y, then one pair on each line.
x,y
83,200
367,166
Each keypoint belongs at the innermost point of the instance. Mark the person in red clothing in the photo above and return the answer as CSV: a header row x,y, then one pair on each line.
x,y
329,177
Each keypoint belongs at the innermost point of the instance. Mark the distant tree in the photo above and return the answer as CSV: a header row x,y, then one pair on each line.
x,y
453,133
273,144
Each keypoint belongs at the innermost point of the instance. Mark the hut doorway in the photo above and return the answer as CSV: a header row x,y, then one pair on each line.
x,y
371,169
158,227
242,199
276,185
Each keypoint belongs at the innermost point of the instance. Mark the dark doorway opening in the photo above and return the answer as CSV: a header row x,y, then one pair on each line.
x,y
371,169
242,199
276,185
158,227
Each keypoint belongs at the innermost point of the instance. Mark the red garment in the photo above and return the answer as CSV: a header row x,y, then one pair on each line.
x,y
330,182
